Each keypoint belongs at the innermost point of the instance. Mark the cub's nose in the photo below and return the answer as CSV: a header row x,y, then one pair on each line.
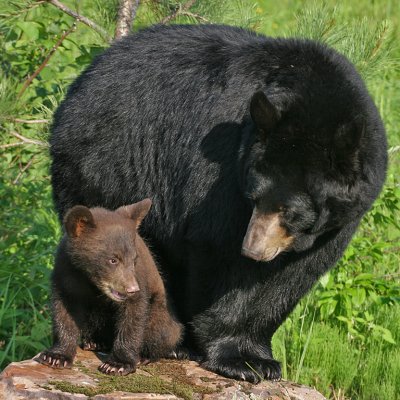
x,y
132,289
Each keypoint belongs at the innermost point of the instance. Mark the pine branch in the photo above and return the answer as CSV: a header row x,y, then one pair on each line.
x,y
179,11
26,140
30,121
195,16
82,19
8,145
23,170
126,15
23,141
46,60
20,11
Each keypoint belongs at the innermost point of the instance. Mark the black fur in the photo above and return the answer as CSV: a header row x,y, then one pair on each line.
x,y
165,113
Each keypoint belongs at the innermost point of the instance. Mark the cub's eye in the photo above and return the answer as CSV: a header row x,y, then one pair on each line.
x,y
113,261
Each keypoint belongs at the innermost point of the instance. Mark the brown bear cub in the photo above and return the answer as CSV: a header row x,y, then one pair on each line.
x,y
107,291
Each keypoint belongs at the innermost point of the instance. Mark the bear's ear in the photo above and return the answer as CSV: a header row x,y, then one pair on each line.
x,y
263,114
136,211
77,220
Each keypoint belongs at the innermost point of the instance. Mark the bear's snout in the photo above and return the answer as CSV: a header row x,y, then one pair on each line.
x,y
133,288
265,237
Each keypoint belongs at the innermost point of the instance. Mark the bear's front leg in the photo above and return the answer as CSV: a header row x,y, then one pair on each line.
x,y
125,353
65,337
233,358
235,344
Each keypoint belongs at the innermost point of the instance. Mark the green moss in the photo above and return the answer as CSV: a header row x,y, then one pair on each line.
x,y
132,383
81,366
183,384
206,379
176,382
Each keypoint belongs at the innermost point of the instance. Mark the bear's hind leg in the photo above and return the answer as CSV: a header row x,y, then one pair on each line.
x,y
163,333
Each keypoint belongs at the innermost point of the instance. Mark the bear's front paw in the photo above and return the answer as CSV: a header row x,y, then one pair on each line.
x,y
246,369
111,367
54,359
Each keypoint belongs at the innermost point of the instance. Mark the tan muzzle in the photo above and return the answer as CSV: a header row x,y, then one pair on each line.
x,y
265,237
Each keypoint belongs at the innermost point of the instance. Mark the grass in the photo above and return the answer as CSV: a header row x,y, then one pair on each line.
x,y
343,337
29,233
331,362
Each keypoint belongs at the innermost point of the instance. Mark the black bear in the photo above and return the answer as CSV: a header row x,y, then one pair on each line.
x,y
107,291
261,155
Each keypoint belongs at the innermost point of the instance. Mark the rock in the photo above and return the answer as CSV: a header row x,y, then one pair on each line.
x,y
164,380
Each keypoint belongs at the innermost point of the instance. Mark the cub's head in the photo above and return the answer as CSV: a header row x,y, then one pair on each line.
x,y
102,243
311,169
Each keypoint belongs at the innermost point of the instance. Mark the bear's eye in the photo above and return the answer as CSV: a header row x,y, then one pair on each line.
x,y
113,260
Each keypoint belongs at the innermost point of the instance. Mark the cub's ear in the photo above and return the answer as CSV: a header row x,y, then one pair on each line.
x,y
263,114
77,220
136,211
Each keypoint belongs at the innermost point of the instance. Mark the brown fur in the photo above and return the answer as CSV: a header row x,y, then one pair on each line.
x,y
107,291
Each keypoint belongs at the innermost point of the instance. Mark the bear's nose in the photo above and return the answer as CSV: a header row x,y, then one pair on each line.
x,y
132,289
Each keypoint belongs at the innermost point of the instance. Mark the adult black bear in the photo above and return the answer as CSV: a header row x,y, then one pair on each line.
x,y
221,126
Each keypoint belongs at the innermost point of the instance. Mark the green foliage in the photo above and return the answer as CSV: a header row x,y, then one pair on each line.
x,y
349,294
345,334
28,235
242,13
366,43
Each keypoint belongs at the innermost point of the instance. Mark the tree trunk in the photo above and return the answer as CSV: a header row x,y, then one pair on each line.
x,y
126,14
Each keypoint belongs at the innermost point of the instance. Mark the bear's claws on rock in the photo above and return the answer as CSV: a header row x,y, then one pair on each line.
x,y
54,360
116,368
253,370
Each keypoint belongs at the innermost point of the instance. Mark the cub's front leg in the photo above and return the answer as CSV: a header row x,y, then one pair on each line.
x,y
125,353
65,337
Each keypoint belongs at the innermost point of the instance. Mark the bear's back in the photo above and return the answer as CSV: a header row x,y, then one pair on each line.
x,y
163,114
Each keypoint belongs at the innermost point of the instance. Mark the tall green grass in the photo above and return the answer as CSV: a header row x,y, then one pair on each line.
x,y
28,235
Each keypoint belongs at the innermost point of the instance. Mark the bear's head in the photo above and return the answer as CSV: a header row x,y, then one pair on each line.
x,y
304,177
103,244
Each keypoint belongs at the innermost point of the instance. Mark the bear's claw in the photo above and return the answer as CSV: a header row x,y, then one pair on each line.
x,y
54,360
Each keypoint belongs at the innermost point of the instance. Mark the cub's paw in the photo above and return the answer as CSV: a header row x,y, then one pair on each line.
x,y
111,367
248,369
88,345
54,359
184,353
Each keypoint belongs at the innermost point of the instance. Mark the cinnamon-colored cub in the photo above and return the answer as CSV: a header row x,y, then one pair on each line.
x,y
108,293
